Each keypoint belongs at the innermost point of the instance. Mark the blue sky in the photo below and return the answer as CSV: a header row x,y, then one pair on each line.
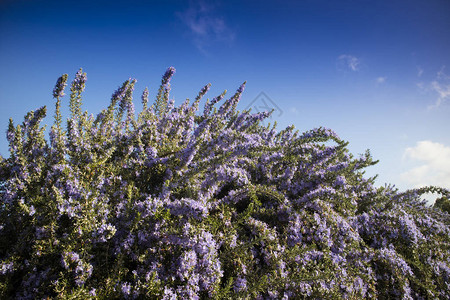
x,y
376,72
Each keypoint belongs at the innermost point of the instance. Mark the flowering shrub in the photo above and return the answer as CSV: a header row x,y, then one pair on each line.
x,y
172,204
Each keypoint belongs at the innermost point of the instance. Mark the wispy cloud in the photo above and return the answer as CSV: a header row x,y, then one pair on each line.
x,y
441,74
434,168
205,26
443,91
440,87
348,62
419,71
381,80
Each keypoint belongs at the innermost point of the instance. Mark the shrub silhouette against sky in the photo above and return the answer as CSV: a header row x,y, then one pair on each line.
x,y
170,203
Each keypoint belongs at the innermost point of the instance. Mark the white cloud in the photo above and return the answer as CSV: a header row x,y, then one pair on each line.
x,y
440,86
205,27
443,91
381,80
419,71
441,74
434,168
349,62
421,85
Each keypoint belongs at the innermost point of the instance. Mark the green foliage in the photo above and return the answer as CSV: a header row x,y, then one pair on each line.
x,y
443,204
169,204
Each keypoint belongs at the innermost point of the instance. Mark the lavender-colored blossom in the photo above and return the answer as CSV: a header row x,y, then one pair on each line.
x,y
6,268
58,91
169,294
176,205
78,84
240,284
312,255
189,207
233,242
393,259
104,232
120,92
187,263
209,105
145,98
203,91
409,229
340,181
305,288
226,109
168,75
126,288
70,257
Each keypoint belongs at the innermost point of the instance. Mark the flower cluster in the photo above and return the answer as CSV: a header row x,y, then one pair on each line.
x,y
170,203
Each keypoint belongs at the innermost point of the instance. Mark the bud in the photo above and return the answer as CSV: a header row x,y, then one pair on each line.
x,y
61,84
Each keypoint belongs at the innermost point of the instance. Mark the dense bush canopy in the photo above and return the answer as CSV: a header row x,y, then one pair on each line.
x,y
172,204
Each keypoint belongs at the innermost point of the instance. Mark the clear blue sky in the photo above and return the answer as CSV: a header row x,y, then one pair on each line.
x,y
376,72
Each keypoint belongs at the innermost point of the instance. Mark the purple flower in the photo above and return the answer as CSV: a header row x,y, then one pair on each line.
x,y
120,92
203,91
168,75
6,268
393,259
78,84
58,91
145,98
187,264
32,210
169,294
305,288
209,105
180,205
126,288
71,257
240,284
409,229
340,180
